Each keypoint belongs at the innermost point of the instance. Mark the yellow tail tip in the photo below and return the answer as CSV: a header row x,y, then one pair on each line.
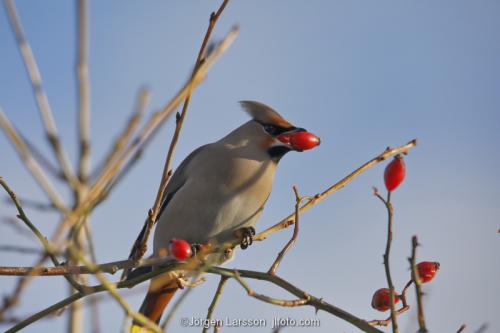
x,y
139,329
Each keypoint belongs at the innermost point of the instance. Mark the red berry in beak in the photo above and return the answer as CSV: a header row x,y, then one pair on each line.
x,y
304,140
381,299
285,138
180,249
427,270
394,173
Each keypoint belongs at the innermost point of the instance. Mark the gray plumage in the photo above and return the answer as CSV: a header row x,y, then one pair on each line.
x,y
222,186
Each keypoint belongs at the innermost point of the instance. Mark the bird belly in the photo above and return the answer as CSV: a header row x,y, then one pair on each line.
x,y
200,212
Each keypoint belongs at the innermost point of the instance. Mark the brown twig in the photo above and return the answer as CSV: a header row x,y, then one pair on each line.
x,y
18,249
392,293
386,322
111,288
418,287
96,191
55,170
317,303
404,307
49,248
139,246
267,299
133,122
289,220
40,95
82,74
213,304
289,244
461,328
110,268
30,163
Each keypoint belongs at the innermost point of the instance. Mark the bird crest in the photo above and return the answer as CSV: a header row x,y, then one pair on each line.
x,y
264,114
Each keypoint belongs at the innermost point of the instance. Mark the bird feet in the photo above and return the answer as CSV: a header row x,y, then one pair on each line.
x,y
195,248
246,235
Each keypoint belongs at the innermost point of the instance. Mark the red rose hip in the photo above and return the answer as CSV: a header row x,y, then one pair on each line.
x,y
180,249
304,140
427,270
381,299
394,173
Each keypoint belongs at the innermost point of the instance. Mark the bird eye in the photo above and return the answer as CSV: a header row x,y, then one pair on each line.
x,y
270,129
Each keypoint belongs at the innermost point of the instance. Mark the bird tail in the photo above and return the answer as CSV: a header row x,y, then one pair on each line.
x,y
154,304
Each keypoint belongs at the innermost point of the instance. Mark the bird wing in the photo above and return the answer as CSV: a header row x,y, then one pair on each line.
x,y
178,179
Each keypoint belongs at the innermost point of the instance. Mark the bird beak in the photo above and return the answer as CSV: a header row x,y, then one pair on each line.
x,y
299,139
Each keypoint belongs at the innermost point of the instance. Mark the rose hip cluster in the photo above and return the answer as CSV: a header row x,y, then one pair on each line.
x,y
426,272
394,175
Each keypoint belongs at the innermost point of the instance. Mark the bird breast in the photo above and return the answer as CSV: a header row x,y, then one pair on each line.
x,y
219,196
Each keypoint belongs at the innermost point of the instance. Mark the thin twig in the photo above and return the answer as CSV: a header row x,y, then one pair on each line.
x,y
418,287
111,288
289,244
82,74
42,159
404,307
145,133
267,299
30,163
33,204
392,293
18,249
139,247
386,322
89,290
317,303
213,304
49,249
109,268
461,328
289,220
180,119
134,120
40,95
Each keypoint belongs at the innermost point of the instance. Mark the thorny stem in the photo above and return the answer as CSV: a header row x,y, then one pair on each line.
x,y
389,208
40,95
289,220
50,250
289,244
418,287
139,246
213,304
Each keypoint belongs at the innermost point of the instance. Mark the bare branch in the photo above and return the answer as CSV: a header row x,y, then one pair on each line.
x,y
317,303
289,244
138,249
134,120
418,288
267,299
289,220
82,74
49,248
111,288
392,293
40,95
213,304
30,163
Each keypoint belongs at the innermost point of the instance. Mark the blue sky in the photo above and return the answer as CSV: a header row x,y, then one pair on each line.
x,y
362,75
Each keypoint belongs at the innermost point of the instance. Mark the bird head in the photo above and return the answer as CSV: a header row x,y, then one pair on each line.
x,y
275,133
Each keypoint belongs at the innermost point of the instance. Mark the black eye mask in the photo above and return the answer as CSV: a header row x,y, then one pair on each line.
x,y
275,130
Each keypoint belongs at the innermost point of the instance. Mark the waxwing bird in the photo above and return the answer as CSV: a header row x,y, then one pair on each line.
x,y
221,188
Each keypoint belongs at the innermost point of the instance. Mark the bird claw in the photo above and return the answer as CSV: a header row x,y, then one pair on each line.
x,y
246,235
195,248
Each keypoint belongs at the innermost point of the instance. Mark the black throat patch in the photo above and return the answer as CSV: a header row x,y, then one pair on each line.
x,y
277,152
